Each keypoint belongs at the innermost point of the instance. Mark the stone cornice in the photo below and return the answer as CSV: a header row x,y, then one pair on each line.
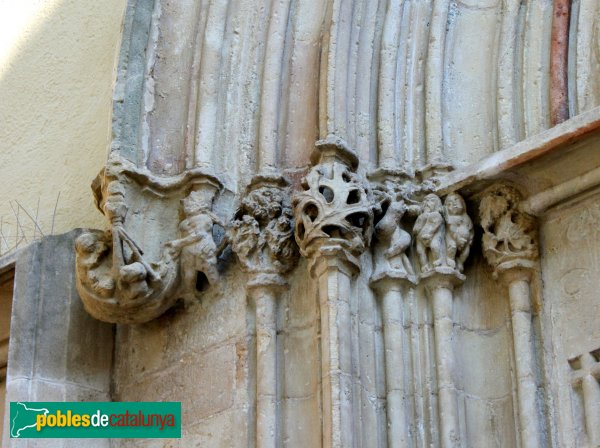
x,y
536,164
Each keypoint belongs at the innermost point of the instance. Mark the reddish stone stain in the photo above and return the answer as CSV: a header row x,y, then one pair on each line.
x,y
559,56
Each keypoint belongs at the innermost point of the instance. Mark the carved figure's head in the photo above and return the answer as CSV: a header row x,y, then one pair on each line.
x,y
432,203
195,202
265,204
134,272
455,205
398,208
89,243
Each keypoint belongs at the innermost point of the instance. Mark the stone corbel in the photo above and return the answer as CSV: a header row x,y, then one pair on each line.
x,y
443,234
334,225
510,246
116,280
262,237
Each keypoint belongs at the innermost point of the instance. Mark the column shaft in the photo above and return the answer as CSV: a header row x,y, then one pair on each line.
x,y
393,334
336,354
266,367
444,355
520,304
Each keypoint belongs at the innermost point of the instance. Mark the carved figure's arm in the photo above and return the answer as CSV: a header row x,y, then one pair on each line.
x,y
432,224
182,242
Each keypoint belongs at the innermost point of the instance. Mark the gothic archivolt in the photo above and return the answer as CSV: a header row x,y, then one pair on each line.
x,y
217,106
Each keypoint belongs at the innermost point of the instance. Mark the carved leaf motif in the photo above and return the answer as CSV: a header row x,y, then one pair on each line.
x,y
261,234
509,234
244,237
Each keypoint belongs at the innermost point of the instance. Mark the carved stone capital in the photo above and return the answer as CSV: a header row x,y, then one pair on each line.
x,y
443,235
262,231
510,236
392,265
334,212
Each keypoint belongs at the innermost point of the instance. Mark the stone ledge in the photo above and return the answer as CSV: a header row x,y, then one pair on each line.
x,y
538,164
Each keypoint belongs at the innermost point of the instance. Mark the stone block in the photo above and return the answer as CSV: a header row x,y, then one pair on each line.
x,y
302,422
204,384
301,363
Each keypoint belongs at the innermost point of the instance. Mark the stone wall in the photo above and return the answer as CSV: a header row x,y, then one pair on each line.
x,y
570,267
382,287
57,352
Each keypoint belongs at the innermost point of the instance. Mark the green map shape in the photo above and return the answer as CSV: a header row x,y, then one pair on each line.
x,y
24,418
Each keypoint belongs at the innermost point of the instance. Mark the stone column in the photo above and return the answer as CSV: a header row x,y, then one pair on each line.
x,y
390,291
264,295
440,286
510,246
334,223
334,276
393,275
443,235
261,235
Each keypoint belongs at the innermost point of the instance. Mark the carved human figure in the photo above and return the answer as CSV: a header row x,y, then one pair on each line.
x,y
429,234
198,251
133,280
390,234
459,231
91,250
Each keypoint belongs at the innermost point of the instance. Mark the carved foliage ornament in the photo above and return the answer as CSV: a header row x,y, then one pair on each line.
x,y
335,210
510,236
261,233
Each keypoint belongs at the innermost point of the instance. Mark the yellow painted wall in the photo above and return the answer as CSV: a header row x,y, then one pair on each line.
x,y
57,69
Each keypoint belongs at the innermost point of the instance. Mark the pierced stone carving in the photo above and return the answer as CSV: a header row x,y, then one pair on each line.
x,y
510,236
261,233
335,210
115,280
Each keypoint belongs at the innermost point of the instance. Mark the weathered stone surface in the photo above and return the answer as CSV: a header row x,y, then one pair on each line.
x,y
407,342
570,306
58,352
210,375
